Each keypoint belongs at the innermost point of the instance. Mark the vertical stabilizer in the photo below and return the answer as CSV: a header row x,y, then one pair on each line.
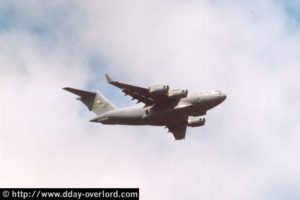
x,y
95,101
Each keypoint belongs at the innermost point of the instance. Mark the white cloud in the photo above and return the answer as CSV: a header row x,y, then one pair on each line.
x,y
247,150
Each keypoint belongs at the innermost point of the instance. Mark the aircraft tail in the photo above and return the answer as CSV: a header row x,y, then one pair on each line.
x,y
95,101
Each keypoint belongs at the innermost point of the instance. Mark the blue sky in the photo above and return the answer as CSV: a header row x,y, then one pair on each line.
x,y
249,146
51,29
292,8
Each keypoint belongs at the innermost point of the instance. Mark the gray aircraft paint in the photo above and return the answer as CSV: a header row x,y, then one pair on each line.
x,y
164,111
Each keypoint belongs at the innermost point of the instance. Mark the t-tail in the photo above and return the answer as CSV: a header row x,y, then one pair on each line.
x,y
95,101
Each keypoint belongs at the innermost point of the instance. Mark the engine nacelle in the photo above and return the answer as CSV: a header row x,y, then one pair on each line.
x,y
177,94
196,121
159,90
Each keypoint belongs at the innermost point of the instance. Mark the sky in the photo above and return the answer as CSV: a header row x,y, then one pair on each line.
x,y
249,147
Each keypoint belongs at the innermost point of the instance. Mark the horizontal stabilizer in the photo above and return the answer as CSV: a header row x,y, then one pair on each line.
x,y
79,92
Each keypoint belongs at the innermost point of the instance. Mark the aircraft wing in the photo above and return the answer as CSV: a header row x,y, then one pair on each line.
x,y
139,93
178,131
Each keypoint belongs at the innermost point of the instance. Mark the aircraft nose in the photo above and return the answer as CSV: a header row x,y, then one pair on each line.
x,y
223,96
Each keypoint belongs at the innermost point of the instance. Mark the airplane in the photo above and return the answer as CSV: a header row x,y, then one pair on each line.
x,y
174,109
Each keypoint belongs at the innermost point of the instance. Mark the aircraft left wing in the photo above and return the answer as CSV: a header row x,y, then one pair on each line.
x,y
178,131
139,93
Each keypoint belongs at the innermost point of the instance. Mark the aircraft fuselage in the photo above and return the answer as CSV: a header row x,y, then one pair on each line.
x,y
193,105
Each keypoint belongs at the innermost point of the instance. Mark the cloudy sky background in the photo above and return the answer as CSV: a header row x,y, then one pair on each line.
x,y
249,148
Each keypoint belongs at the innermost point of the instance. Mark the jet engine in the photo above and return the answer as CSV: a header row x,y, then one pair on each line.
x,y
196,121
177,94
159,90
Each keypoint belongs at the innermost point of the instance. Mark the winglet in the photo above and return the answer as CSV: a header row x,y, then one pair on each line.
x,y
108,78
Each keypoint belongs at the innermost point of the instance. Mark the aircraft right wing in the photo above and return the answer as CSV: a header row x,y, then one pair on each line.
x,y
139,93
178,131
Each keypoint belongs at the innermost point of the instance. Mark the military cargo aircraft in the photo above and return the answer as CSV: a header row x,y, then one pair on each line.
x,y
174,109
